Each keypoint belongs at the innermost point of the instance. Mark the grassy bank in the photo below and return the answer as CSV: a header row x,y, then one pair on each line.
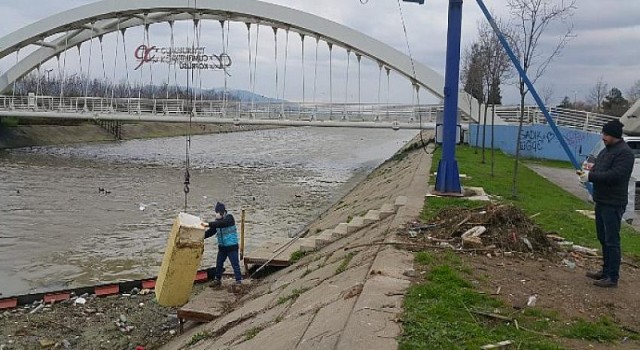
x,y
446,309
555,207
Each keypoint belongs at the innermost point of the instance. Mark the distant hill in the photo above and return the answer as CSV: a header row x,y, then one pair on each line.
x,y
245,96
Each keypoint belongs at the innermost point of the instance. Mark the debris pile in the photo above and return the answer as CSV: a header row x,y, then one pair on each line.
x,y
499,227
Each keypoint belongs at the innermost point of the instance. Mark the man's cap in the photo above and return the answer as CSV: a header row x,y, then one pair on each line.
x,y
613,128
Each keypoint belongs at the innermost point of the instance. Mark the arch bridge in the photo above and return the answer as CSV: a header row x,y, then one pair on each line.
x,y
55,37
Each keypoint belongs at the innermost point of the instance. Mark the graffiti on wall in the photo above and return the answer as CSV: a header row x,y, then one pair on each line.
x,y
535,140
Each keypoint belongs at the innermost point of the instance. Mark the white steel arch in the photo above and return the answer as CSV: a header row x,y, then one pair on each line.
x,y
107,16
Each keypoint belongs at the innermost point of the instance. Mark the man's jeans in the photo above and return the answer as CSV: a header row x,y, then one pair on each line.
x,y
608,220
232,253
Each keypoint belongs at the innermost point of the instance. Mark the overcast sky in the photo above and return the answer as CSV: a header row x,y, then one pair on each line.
x,y
606,44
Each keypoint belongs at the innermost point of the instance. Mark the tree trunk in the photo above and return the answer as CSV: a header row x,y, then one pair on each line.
x,y
493,125
484,131
478,130
514,188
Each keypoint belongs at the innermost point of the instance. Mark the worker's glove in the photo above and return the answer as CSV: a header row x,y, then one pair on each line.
x,y
583,176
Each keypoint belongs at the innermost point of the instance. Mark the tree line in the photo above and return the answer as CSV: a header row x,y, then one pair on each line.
x,y
76,86
601,99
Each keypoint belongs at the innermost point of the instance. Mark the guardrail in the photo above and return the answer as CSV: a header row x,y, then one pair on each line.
x,y
570,118
224,109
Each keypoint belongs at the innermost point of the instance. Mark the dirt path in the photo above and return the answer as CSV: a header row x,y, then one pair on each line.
x,y
564,290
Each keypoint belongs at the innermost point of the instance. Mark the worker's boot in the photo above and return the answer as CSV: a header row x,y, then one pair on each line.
x,y
237,288
595,275
606,283
216,284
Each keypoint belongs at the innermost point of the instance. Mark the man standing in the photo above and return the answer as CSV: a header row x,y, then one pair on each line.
x,y
224,228
610,177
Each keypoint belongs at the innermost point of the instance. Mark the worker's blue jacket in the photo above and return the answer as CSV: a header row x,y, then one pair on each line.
x,y
224,229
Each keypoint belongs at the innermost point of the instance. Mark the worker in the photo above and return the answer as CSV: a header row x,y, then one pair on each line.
x,y
224,228
610,177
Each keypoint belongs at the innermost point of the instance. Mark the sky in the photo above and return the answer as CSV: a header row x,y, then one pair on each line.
x,y
605,46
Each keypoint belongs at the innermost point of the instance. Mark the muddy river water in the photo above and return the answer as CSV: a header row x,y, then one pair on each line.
x,y
58,230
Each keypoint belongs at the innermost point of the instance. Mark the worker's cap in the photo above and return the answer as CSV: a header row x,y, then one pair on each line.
x,y
220,208
613,128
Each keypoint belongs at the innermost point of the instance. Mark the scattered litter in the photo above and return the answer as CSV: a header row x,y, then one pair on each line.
x,y
475,231
411,273
568,263
80,301
584,250
497,291
555,237
526,241
36,309
413,234
46,342
532,300
501,344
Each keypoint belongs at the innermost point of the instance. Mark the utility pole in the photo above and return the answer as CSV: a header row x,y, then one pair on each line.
x,y
448,178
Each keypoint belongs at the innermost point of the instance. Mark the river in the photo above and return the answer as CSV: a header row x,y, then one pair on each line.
x,y
58,230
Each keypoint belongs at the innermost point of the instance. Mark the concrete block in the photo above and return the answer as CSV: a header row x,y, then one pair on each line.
x,y
387,210
355,224
308,244
401,201
341,230
324,238
181,260
372,216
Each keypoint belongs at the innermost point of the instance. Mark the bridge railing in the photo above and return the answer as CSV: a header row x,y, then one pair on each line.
x,y
583,120
275,109
224,109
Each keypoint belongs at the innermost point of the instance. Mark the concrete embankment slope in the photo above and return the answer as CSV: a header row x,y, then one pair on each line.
x,y
347,294
40,135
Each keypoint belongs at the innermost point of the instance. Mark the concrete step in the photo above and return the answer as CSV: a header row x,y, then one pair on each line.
x,y
324,238
372,216
308,244
355,224
401,201
387,210
341,230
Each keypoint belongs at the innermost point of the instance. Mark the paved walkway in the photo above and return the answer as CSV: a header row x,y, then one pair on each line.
x,y
564,178
567,180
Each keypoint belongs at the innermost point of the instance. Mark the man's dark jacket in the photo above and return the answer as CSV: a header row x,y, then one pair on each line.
x,y
610,174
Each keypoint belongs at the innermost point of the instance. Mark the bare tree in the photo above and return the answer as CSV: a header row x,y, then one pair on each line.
x,y
547,93
597,94
634,92
495,65
531,18
472,74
